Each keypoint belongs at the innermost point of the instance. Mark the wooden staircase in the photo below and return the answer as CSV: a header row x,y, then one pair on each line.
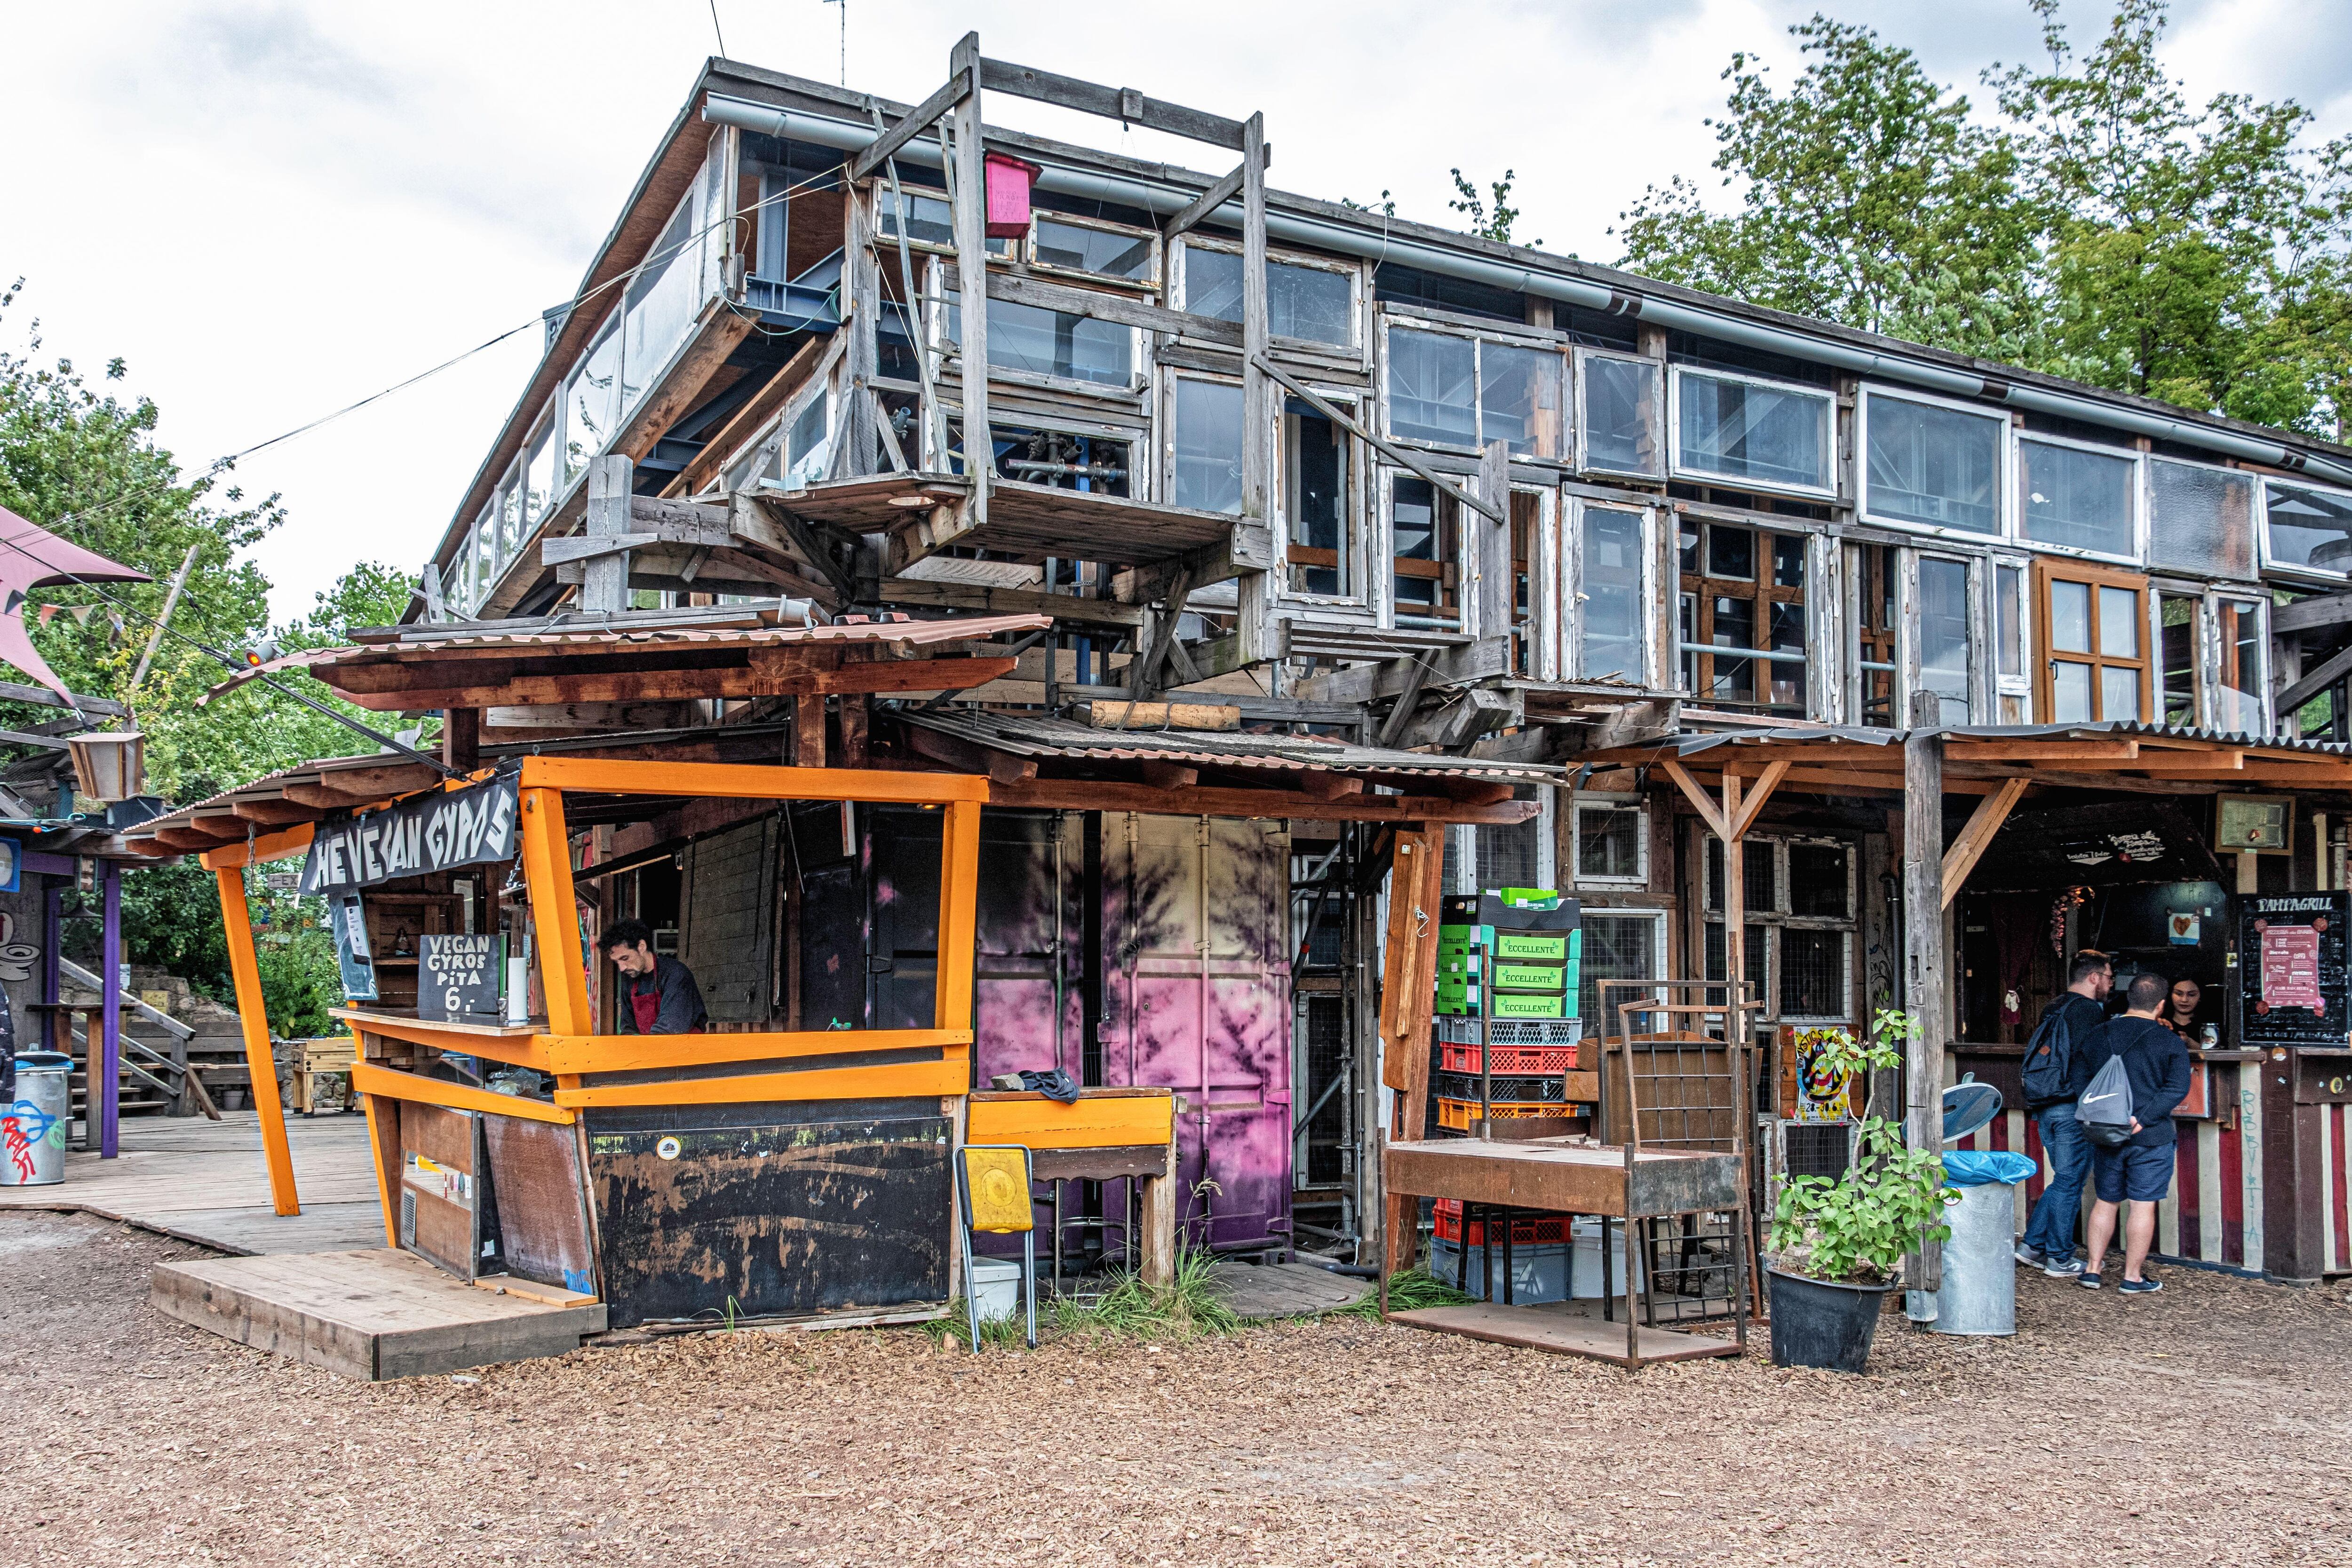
x,y
170,1067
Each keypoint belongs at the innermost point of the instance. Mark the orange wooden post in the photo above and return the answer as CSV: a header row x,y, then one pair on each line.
x,y
384,1154
959,892
260,1063
547,871
1408,993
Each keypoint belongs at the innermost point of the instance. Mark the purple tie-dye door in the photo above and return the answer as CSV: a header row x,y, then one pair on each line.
x,y
1196,989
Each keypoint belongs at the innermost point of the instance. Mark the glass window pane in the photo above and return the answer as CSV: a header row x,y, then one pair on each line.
x,y
2310,528
1315,500
1519,398
1621,416
1307,302
2070,617
2071,694
1788,636
591,402
2178,650
1208,440
2200,519
1756,875
1741,431
1421,538
1734,627
1817,880
1607,841
1944,634
1610,615
1431,380
658,307
1082,248
1813,973
2076,498
1934,465
806,451
2242,710
2009,621
1051,342
1730,552
539,477
1787,560
2119,623
2118,692
1213,283
1616,948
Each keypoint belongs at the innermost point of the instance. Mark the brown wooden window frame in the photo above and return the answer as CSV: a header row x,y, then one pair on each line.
x,y
2048,656
1760,591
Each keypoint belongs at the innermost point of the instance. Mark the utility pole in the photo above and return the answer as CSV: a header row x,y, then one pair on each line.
x,y
171,603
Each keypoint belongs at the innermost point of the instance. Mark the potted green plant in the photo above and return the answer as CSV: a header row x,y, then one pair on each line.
x,y
1837,1247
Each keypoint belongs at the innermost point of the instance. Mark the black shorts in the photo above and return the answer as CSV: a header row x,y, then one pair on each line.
x,y
2137,1172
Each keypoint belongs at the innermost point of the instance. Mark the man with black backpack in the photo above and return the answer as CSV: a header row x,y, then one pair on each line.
x,y
2139,1169
2055,1075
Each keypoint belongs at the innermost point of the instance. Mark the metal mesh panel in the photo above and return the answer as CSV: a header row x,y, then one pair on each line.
x,y
1821,1151
1510,857
1813,973
1327,1066
2200,519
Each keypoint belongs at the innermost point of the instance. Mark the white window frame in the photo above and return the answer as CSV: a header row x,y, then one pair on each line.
x,y
1606,801
2262,532
1660,945
1573,597
2021,685
2137,559
949,351
1149,284
1681,470
1163,473
2208,674
1356,350
2006,494
1584,464
1477,336
888,240
1360,479
1909,653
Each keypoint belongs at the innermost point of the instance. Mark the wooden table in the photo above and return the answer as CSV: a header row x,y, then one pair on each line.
x,y
1106,1135
1554,1175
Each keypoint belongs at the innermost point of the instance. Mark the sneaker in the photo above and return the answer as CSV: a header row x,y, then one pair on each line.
x,y
2139,1287
2088,1281
2030,1255
2063,1268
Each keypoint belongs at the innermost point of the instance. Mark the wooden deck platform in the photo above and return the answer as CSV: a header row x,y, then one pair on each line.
x,y
1256,1292
373,1314
205,1182
1563,1330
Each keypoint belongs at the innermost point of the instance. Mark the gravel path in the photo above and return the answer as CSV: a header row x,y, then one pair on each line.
x,y
2209,1424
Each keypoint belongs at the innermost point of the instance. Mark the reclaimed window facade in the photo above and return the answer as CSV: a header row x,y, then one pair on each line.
x,y
1800,899
1055,344
2095,664
1609,594
1450,389
1621,414
1946,656
1609,841
1062,244
1751,432
1618,945
1318,504
1932,466
2200,519
1743,589
1305,302
2079,497
1425,554
2307,529
1204,444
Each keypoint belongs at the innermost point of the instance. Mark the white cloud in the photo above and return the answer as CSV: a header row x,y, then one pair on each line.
x,y
272,211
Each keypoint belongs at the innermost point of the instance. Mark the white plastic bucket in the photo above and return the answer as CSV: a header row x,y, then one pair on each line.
x,y
996,1288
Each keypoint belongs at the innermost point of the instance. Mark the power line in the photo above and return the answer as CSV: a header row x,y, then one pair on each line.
x,y
714,27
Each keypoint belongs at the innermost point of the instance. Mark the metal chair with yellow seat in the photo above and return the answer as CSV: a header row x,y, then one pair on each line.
x,y
993,1181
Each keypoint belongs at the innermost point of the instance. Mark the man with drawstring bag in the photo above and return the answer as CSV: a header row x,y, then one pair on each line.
x,y
2138,1075
2055,1071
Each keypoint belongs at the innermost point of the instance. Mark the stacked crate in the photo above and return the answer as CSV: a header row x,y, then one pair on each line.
x,y
1509,967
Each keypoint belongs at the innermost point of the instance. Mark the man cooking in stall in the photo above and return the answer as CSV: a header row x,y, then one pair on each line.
x,y
658,994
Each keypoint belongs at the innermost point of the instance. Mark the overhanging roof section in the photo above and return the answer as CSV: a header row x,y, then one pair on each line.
x,y
488,665
926,513
305,793
2122,755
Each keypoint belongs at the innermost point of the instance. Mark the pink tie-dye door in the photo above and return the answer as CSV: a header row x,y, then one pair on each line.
x,y
1196,988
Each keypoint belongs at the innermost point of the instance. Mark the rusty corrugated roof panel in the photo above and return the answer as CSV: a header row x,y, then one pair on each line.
x,y
1038,734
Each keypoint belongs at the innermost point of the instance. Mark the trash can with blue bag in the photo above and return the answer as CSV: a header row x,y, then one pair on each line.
x,y
1979,1291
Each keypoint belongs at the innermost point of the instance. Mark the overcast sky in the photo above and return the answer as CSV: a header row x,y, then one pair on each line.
x,y
270,211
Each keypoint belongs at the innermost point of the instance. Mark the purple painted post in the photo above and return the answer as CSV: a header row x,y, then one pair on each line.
x,y
109,1114
52,935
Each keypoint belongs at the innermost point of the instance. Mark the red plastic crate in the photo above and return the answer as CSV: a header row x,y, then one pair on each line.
x,y
1507,1060
1526,1229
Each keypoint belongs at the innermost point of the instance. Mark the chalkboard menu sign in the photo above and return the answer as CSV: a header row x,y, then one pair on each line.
x,y
457,977
2291,952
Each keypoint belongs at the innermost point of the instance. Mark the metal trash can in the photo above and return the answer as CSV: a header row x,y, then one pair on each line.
x,y
33,1131
1978,1294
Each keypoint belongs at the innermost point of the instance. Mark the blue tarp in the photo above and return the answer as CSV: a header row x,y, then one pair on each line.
x,y
1974,1167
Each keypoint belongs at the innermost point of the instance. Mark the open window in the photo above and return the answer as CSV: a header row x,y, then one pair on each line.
x,y
2306,529
1944,657
1531,604
2215,662
1425,554
1932,465
1320,505
1743,589
1609,595
1755,433
2095,644
1621,414
2011,639
1087,245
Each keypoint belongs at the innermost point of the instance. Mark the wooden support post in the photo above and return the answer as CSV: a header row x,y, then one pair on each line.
x,y
604,582
855,713
1255,590
970,195
1735,900
260,1062
959,893
547,872
384,1150
102,1090
1490,551
1416,882
808,730
1922,944
461,738
1156,1198
1984,824
864,351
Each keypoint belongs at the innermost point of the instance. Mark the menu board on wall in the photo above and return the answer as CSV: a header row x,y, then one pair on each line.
x,y
2291,952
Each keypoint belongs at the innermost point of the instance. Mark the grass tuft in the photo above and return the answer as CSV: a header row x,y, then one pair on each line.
x,y
1127,1309
1408,1291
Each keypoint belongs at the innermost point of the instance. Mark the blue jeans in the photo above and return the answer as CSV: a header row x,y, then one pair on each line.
x,y
2051,1229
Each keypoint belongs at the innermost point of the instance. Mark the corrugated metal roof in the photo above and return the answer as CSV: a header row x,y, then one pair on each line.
x,y
900,632
1690,744
1038,735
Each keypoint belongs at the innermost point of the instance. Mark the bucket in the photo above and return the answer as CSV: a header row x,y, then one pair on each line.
x,y
33,1131
996,1288
1978,1292
1818,1323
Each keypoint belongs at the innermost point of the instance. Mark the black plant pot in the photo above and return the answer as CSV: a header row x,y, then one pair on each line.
x,y
1818,1323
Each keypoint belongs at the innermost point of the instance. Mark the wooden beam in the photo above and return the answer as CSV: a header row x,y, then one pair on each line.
x,y
757,410
808,730
1162,774
1207,202
261,1063
2316,613
1329,786
1451,665
1143,677
1123,104
1924,958
275,813
1476,791
959,86
1706,808
1101,304
970,756
1761,791
2329,671
1390,450
1408,993
1973,750
1983,823
1104,795
953,674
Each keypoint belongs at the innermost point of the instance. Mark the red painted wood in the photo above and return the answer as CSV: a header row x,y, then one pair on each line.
x,y
2342,1115
2037,1181
2185,1183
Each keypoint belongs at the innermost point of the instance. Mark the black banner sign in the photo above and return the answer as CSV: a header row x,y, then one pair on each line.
x,y
431,833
